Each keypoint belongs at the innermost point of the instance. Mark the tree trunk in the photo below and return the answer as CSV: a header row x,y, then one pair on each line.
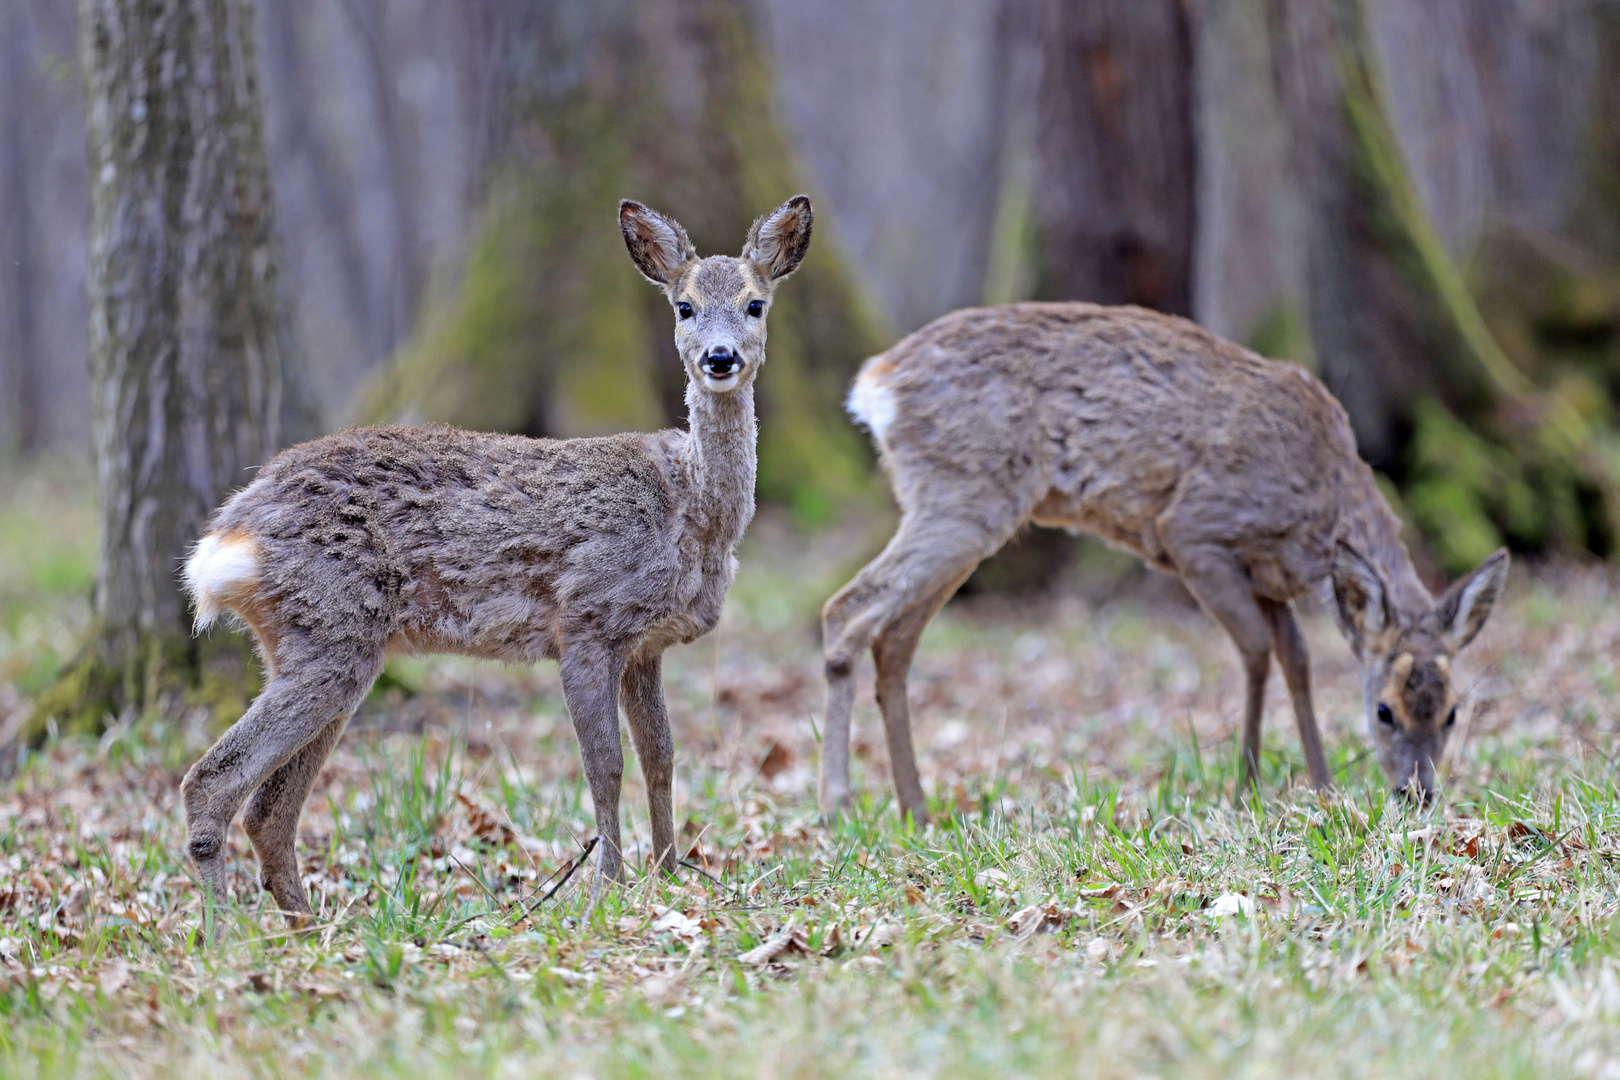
x,y
1118,156
189,364
1398,114
22,411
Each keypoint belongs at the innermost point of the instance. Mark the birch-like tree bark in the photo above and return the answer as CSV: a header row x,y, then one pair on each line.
x,y
189,360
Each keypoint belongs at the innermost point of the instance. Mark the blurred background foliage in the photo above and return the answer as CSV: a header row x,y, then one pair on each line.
x,y
1419,199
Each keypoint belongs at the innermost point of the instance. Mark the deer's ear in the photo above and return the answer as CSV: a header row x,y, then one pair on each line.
x,y
777,242
1467,604
1358,597
657,244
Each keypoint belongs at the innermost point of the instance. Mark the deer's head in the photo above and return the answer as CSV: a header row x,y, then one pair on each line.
x,y
720,302
1406,662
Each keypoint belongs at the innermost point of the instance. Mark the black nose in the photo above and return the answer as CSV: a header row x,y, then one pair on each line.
x,y
720,361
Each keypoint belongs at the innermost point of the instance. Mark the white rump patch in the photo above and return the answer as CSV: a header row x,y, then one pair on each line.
x,y
218,570
871,403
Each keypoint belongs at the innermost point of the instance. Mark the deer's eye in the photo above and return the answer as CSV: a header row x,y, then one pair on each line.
x,y
684,309
1386,715
756,308
1451,717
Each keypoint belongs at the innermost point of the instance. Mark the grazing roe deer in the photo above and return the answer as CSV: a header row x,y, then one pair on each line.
x,y
1235,472
599,553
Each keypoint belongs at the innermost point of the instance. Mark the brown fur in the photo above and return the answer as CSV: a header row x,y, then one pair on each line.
x,y
597,553
1235,472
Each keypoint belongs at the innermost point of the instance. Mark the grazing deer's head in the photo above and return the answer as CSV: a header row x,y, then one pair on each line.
x,y
720,302
1406,662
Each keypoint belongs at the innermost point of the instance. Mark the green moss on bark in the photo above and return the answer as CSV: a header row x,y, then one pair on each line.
x,y
152,675
1522,450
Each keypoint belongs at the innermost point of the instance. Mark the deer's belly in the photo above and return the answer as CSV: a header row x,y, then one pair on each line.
x,y
518,622
1130,527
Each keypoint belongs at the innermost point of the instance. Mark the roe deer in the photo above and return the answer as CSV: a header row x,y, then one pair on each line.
x,y
1237,473
599,553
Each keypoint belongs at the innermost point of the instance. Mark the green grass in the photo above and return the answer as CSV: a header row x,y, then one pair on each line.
x,y
1089,902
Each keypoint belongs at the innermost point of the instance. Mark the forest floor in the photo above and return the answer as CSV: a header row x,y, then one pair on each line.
x,y
1089,901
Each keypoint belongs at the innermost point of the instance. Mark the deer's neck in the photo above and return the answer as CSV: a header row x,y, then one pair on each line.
x,y
1370,527
721,463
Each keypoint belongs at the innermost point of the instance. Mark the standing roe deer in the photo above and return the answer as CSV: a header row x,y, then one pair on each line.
x,y
598,553
1237,473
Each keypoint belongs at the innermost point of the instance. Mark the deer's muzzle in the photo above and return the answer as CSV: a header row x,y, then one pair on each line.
x,y
720,363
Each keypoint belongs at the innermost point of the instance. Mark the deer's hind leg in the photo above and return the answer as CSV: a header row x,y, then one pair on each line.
x,y
300,703
271,820
1295,661
927,558
892,653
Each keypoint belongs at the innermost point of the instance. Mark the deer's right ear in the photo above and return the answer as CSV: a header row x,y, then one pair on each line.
x,y
1358,597
658,245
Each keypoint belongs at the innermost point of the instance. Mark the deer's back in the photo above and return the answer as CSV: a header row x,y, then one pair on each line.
x,y
437,539
1119,421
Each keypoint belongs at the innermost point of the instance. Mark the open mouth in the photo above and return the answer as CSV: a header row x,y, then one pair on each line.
x,y
721,372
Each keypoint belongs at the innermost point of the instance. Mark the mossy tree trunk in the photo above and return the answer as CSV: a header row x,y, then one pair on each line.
x,y
1487,446
188,350
549,330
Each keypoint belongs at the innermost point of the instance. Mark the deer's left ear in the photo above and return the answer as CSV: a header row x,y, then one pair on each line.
x,y
1462,611
777,242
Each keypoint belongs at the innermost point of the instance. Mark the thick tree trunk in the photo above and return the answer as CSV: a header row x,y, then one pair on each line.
x,y
1397,114
188,360
1371,327
1118,154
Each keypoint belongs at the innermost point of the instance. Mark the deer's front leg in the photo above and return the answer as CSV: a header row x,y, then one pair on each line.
x,y
590,678
1295,658
649,729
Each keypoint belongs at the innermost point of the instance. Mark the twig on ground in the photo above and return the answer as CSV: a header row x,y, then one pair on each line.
x,y
596,886
478,879
567,872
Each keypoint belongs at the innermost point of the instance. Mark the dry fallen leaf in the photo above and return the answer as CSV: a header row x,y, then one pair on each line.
x,y
776,759
1110,891
1036,918
571,978
677,923
1231,903
114,977
772,947
318,990
486,825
